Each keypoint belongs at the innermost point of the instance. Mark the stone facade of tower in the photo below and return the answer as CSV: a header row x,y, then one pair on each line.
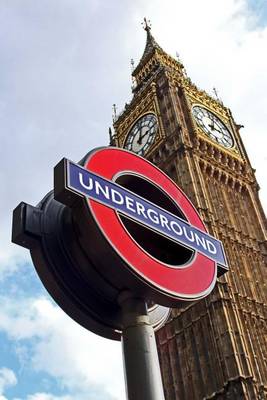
x,y
217,347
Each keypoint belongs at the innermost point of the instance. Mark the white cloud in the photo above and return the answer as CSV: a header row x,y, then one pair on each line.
x,y
44,396
48,396
58,346
7,379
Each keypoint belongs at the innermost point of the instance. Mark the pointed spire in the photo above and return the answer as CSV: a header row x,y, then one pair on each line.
x,y
151,44
146,25
153,60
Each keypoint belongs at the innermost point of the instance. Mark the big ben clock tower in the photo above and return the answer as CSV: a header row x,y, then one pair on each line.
x,y
215,348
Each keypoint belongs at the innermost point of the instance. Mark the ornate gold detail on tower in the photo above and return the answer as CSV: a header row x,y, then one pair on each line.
x,y
216,348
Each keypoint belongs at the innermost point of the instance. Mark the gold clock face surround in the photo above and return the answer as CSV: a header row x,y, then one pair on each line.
x,y
142,134
213,127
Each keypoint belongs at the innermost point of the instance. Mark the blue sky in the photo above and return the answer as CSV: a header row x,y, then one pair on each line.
x,y
63,65
259,9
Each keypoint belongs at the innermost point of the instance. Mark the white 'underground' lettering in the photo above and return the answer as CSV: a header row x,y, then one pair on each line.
x,y
140,209
90,182
212,249
153,216
164,222
200,241
114,194
156,218
129,204
174,224
99,188
191,239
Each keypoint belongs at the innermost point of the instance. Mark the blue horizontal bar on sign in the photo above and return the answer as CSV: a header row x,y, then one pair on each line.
x,y
143,211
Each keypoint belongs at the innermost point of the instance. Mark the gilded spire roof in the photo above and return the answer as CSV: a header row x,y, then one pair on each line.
x,y
151,46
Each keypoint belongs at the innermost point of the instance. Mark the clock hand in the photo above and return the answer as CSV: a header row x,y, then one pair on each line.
x,y
217,130
213,127
211,118
139,141
145,134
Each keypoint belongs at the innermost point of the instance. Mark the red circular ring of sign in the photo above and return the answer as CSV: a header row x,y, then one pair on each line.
x,y
191,282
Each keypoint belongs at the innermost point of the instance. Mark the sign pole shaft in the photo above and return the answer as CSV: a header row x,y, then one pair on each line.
x,y
141,363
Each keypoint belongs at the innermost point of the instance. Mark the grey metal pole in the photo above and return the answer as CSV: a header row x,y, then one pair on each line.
x,y
141,363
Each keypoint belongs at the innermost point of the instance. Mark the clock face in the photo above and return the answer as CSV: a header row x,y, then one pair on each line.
x,y
213,126
142,134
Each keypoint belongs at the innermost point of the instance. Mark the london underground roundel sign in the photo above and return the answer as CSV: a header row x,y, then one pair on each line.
x,y
141,230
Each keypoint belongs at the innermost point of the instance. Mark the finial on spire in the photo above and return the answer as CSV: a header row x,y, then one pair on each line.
x,y
133,78
132,64
215,91
114,114
146,25
216,94
110,134
112,141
